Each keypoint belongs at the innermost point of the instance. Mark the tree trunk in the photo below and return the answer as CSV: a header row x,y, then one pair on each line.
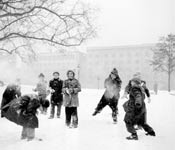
x,y
169,81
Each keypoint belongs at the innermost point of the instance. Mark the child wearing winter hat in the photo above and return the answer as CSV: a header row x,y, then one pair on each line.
x,y
56,99
111,95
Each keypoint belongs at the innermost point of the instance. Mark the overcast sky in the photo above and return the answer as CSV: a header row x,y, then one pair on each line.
x,y
125,22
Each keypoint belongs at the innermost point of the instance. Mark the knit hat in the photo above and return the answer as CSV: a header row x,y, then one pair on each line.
x,y
56,72
41,75
115,72
136,80
71,71
137,75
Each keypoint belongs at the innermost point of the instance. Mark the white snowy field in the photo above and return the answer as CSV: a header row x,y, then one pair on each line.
x,y
95,133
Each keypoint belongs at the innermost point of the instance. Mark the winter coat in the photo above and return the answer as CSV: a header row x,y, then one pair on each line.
x,y
71,88
135,106
11,92
22,111
143,84
41,88
112,88
56,96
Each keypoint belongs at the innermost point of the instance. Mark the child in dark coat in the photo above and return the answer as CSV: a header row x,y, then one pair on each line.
x,y
56,85
145,90
143,84
135,110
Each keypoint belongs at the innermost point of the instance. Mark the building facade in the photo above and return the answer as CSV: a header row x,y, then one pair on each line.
x,y
91,68
127,59
47,63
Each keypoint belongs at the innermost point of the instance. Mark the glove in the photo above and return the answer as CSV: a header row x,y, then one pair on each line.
x,y
71,90
67,91
52,91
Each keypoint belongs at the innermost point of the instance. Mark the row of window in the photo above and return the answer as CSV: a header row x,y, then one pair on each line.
x,y
116,61
119,54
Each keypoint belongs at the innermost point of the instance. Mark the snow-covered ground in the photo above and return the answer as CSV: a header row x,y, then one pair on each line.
x,y
95,133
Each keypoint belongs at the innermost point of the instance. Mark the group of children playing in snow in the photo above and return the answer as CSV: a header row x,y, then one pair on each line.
x,y
23,109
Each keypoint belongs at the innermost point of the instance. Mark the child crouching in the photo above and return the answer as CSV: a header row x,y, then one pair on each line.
x,y
22,111
28,119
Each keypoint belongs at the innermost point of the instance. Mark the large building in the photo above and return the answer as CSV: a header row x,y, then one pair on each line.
x,y
91,68
48,63
127,59
11,67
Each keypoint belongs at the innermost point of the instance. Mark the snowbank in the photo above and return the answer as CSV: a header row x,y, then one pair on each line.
x,y
96,133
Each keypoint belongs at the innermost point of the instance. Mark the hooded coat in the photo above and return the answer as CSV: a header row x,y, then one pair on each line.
x,y
141,82
56,85
112,86
22,111
135,106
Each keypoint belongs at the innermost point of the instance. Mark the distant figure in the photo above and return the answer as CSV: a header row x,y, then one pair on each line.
x,y
136,110
41,88
56,85
71,88
111,95
156,88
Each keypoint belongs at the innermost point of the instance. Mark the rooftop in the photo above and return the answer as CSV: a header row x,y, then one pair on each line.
x,y
123,47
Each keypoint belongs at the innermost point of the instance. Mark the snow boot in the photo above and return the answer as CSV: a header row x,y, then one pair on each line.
x,y
114,117
74,125
51,117
94,113
152,133
68,125
133,136
23,137
32,139
115,120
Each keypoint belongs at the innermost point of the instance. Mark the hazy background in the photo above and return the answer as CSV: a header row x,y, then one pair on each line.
x,y
118,22
125,22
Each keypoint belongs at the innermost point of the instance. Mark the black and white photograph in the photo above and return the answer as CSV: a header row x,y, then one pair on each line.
x,y
87,74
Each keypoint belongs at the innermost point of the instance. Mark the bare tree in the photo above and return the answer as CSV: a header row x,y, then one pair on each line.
x,y
24,23
164,57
